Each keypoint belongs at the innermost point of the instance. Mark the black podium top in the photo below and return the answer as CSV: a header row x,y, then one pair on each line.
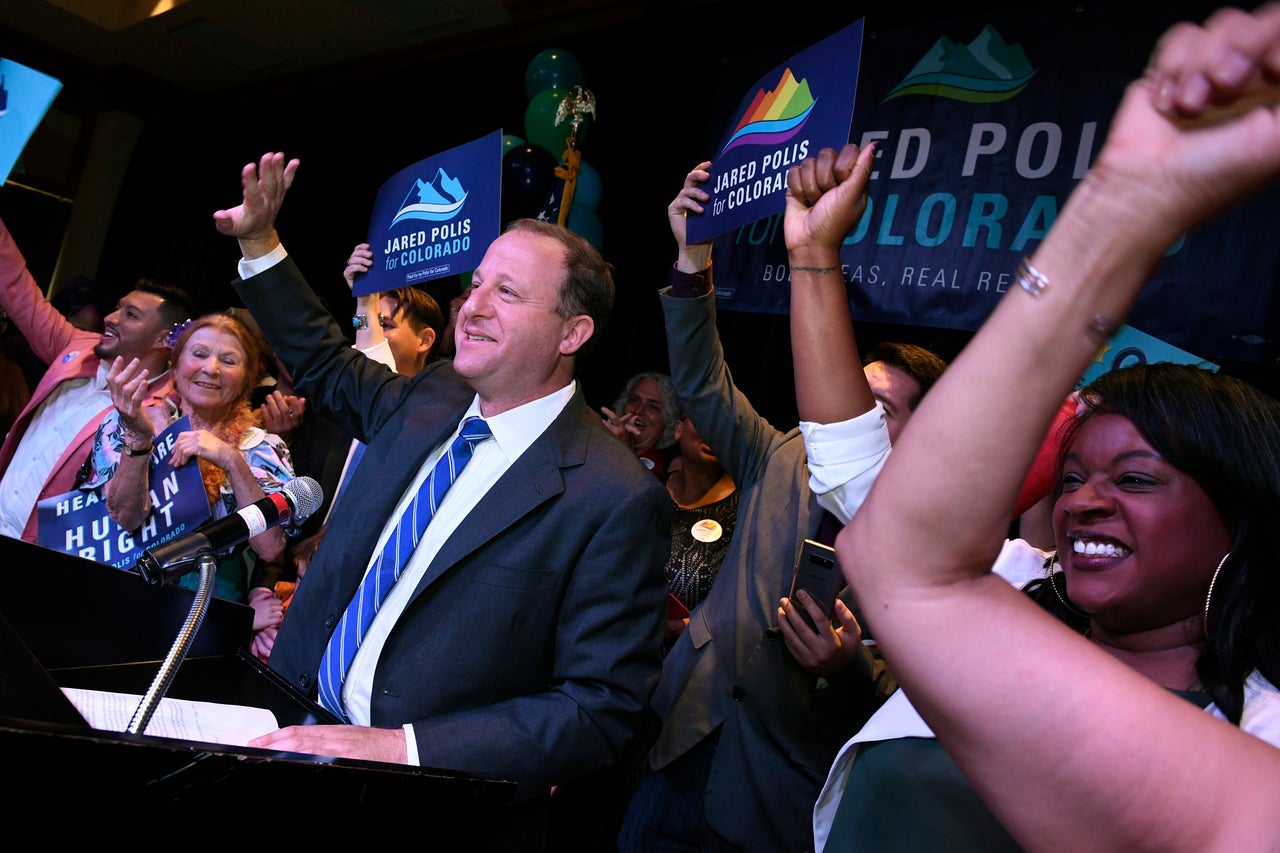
x,y
74,612
67,622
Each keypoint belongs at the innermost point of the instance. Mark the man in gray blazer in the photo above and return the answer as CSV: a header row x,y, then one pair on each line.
x,y
752,702
521,641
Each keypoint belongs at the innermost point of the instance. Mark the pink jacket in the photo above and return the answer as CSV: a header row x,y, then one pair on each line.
x,y
69,353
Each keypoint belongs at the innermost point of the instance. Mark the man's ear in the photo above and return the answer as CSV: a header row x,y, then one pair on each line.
x,y
577,332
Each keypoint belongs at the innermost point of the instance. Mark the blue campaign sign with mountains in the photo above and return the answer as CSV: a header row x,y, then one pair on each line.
x,y
436,217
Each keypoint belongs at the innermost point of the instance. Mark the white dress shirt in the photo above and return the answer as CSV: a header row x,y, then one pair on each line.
x,y
53,427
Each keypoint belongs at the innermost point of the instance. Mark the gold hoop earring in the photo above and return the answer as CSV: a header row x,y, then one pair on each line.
x,y
1209,595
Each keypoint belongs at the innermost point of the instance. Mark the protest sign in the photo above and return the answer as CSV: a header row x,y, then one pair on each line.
x,y
78,522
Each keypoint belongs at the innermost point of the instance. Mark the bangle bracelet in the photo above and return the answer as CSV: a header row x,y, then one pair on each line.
x,y
815,270
1031,279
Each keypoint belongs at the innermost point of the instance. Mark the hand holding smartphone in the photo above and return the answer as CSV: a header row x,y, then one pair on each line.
x,y
818,573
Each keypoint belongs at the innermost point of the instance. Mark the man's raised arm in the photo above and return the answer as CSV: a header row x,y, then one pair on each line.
x,y
826,196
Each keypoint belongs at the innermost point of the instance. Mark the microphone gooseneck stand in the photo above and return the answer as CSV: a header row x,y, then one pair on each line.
x,y
207,564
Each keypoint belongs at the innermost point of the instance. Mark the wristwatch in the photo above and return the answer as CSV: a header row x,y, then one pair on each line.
x,y
360,321
129,451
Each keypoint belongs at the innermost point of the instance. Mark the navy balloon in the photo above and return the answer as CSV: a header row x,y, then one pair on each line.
x,y
553,68
528,179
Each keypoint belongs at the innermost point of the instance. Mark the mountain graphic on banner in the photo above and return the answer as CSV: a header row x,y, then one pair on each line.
x,y
985,70
440,199
774,115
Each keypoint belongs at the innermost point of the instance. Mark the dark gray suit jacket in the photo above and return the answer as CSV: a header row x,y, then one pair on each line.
x,y
530,647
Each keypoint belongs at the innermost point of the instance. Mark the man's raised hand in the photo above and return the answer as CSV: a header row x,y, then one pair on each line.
x,y
253,221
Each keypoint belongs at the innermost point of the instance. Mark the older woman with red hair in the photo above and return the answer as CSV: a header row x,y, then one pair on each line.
x,y
216,366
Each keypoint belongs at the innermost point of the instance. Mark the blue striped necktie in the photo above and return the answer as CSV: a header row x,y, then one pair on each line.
x,y
386,569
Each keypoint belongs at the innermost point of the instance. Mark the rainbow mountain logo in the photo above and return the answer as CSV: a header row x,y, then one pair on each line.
x,y
984,71
436,201
774,116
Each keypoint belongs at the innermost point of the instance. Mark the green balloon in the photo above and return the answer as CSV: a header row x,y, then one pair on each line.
x,y
509,141
540,123
552,68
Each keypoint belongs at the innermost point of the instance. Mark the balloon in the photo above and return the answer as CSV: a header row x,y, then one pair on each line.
x,y
540,123
553,68
587,191
584,222
509,141
528,179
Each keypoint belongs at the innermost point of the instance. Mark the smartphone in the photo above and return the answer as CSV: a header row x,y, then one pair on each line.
x,y
818,573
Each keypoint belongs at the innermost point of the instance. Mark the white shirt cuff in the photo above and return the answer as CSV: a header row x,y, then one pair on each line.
x,y
845,458
410,745
250,268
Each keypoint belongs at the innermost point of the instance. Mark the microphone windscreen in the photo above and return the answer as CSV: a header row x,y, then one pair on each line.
x,y
306,495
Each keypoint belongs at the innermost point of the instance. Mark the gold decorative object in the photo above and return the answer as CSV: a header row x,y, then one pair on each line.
x,y
573,106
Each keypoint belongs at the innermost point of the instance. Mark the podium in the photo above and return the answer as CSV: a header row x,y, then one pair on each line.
x,y
69,622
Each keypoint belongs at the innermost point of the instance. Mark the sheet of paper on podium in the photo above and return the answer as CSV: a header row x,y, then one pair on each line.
x,y
25,96
185,719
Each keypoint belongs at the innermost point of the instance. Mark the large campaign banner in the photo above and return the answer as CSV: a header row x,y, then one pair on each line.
x,y
984,126
436,217
78,523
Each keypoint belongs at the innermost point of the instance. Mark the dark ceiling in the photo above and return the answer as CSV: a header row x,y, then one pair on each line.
x,y
203,46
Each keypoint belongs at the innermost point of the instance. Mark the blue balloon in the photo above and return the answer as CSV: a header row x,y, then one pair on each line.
x,y
509,141
588,190
553,68
586,224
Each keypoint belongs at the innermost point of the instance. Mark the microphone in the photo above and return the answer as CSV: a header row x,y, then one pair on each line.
x,y
299,498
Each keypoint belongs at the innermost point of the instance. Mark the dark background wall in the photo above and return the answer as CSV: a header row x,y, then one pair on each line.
x,y
664,85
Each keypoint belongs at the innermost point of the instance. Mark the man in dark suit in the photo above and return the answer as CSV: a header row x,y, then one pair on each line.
x,y
521,641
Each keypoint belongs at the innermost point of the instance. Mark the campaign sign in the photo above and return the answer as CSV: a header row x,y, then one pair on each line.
x,y
78,522
984,125
1128,346
801,106
435,218
25,96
